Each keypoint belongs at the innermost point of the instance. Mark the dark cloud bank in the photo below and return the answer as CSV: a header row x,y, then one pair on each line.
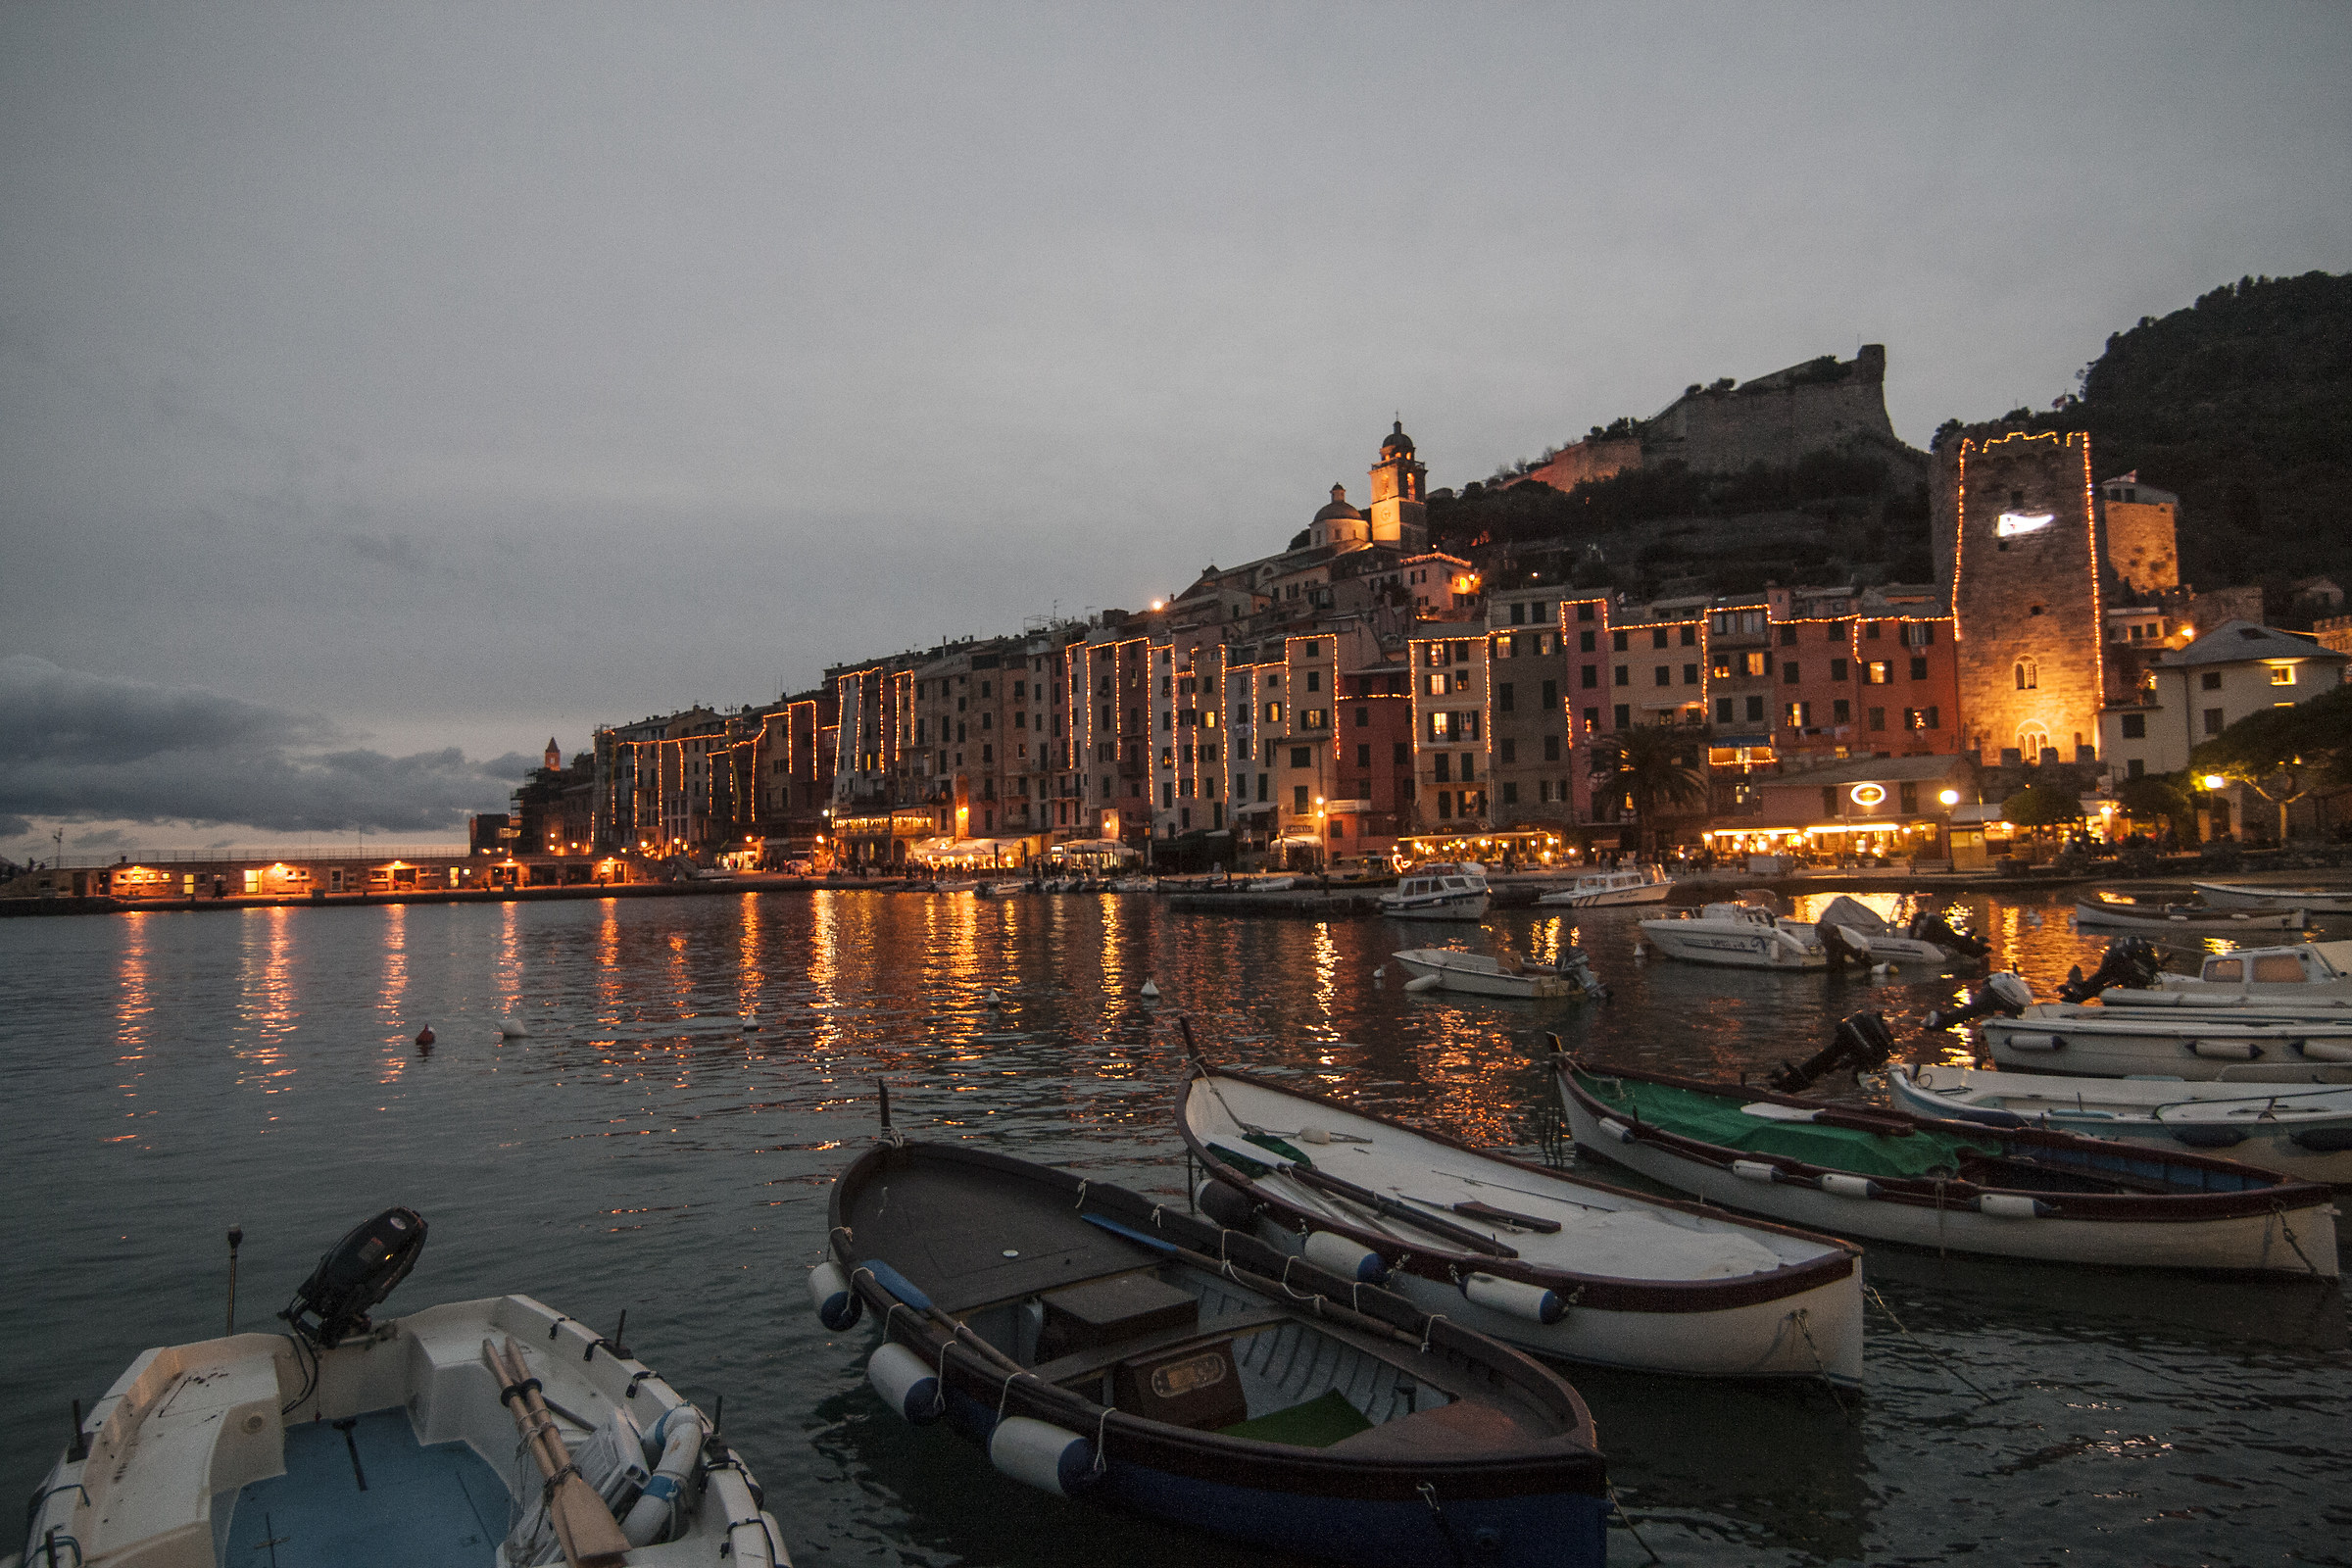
x,y
81,746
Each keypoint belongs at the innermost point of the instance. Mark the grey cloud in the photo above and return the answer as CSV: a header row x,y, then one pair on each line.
x,y
397,551
92,748
14,827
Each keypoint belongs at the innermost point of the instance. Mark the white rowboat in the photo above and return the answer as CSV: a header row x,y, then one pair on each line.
x,y
1484,975
2102,1042
2300,1132
2244,895
2183,918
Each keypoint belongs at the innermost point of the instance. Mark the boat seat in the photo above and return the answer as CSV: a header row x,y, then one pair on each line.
x,y
202,1420
1095,1360
1462,1429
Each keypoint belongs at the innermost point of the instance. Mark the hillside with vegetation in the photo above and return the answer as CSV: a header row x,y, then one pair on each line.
x,y
2243,405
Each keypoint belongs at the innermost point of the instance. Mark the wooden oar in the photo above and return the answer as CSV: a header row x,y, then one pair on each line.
x,y
584,1526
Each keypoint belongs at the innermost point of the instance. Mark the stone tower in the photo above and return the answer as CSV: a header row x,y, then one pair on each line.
x,y
554,756
1399,503
2017,524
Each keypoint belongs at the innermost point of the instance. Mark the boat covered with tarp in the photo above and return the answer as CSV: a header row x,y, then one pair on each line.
x,y
1956,1187
1104,1346
1551,1260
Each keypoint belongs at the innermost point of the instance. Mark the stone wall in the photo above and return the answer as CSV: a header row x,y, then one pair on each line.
x,y
2025,592
2142,546
1823,405
1596,456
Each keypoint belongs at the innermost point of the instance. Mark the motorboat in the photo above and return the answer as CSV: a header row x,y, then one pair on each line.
x,y
2004,1192
2316,974
498,1432
2183,919
1743,934
1593,889
2247,895
1438,891
1499,974
1926,939
2096,1041
1504,1247
2297,1131
1105,1346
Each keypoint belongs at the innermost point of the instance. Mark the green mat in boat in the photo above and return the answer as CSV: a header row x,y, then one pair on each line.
x,y
1718,1119
1317,1424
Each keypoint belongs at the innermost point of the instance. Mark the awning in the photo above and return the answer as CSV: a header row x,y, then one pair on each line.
x,y
1252,810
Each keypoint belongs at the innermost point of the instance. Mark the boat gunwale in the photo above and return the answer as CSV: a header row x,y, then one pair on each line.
x,y
1599,1291
2267,1191
1569,1461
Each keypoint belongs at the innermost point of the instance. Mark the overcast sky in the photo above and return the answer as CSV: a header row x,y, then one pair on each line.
x,y
389,382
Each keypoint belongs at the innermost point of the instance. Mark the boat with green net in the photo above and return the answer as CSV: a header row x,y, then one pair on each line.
x,y
1889,1176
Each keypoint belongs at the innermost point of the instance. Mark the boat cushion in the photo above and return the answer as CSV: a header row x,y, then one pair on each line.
x,y
1719,1119
1320,1422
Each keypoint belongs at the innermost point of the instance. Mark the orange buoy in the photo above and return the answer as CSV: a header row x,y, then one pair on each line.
x,y
425,1037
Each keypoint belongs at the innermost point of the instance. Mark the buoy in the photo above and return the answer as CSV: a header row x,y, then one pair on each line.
x,y
1230,1209
837,1306
1149,993
424,1036
751,1019
1377,973
1516,1298
509,1028
1041,1455
1640,953
991,1000
906,1382
1616,1129
1880,971
1349,1261
1427,982
1844,1186
680,1433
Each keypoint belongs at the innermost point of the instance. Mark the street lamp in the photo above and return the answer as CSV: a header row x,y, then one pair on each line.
x,y
1950,797
2214,781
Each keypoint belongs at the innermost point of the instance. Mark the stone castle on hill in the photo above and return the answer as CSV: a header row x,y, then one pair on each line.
x,y
1824,405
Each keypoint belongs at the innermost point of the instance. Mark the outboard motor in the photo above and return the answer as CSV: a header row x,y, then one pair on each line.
x,y
2005,994
1928,927
1578,967
1862,1041
2131,962
1842,945
357,1272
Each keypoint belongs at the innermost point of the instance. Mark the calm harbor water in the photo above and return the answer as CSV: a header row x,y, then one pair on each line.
x,y
173,1073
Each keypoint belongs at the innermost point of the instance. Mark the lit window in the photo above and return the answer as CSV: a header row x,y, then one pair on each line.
x,y
2282,675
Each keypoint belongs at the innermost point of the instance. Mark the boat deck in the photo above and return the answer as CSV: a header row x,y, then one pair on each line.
x,y
368,1494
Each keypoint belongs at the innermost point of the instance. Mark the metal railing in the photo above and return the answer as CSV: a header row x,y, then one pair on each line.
x,y
117,858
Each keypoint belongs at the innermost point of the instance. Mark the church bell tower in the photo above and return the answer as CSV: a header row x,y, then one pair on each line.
x,y
1399,507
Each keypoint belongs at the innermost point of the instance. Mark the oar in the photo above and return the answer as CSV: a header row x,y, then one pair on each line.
x,y
584,1526
1364,1198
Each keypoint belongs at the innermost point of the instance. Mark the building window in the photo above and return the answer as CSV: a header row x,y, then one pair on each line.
x,y
1617,641
1510,750
1623,675
2135,726
1591,678
1665,675
1841,711
1583,611
1919,670
1909,798
1510,794
1756,710
1552,748
1801,715
1298,800
2282,675
2029,675
1445,803
1877,718
1723,709
2213,721
1689,674
1623,716
1585,640
1592,718
2210,680
1828,800
1551,695
1502,697
2134,769
1789,673
1837,670
1315,718
1440,726
1302,756
1437,685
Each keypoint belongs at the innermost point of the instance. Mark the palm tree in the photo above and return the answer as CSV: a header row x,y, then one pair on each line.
x,y
1654,769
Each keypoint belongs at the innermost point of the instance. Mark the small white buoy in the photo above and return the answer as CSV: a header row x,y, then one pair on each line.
x,y
1377,973
1880,971
1151,992
991,1000
513,1028
1640,953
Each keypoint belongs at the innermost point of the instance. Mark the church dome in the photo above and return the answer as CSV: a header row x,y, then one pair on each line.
x,y
1339,506
1399,444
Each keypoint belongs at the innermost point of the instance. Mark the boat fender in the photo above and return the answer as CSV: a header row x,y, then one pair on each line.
x,y
837,1306
2012,1205
2197,1136
680,1433
1349,1261
1231,1209
1515,1297
1756,1170
1616,1129
2225,1049
1844,1186
2323,1140
907,1383
1046,1457
2034,1043
2323,1050
1425,982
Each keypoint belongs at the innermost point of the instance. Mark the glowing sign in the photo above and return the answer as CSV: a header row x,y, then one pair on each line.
x,y
1866,795
2013,523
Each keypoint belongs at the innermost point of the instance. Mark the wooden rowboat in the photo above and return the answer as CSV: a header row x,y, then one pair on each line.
x,y
1103,1346
2185,918
1553,1262
2005,1192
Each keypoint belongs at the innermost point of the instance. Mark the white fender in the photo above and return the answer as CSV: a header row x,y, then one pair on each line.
x,y
837,1306
2326,1050
2225,1049
1349,1261
1040,1454
1425,982
1844,1186
1531,1302
1756,1170
1616,1129
2011,1205
680,1433
2032,1042
907,1383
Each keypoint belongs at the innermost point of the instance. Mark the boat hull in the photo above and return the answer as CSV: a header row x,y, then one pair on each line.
x,y
1703,942
2245,1236
2229,896
1467,980
2116,917
2171,1045
1437,907
2312,1146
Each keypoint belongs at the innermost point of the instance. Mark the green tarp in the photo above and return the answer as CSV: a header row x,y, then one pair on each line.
x,y
1718,1119
1317,1424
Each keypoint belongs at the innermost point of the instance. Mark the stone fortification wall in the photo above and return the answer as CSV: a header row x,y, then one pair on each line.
x,y
2016,522
1823,405
1596,456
